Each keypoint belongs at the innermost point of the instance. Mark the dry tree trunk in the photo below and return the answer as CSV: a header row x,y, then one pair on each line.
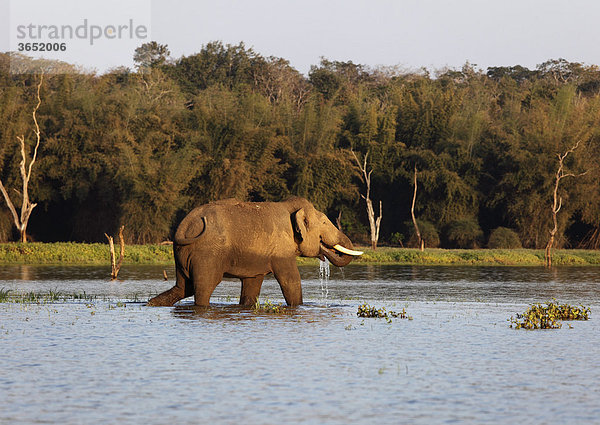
x,y
374,223
116,266
21,221
557,200
420,240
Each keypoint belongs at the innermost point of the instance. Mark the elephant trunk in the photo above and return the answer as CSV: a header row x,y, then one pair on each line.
x,y
334,256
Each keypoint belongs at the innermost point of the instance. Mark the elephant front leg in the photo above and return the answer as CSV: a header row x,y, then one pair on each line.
x,y
287,274
250,290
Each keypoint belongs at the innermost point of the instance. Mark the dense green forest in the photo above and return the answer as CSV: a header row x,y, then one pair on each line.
x,y
142,147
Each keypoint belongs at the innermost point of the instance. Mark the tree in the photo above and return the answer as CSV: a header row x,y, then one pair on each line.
x,y
21,221
150,55
420,240
278,81
154,158
533,129
77,159
374,223
141,148
215,64
557,200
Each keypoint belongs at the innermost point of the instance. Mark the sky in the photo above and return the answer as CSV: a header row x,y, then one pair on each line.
x,y
410,34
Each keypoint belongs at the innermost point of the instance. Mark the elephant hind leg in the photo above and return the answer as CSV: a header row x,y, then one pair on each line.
x,y
250,290
167,298
182,289
205,280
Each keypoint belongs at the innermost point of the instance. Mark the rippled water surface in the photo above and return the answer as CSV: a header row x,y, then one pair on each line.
x,y
108,358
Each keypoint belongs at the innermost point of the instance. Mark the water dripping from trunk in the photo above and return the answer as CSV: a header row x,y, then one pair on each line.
x,y
324,278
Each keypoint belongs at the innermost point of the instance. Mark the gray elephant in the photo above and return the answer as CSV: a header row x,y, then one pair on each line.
x,y
248,240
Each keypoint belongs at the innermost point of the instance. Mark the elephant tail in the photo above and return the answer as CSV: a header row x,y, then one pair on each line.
x,y
190,229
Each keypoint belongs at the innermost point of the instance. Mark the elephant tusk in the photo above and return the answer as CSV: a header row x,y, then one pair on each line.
x,y
347,251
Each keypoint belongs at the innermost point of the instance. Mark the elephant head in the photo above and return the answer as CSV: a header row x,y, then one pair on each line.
x,y
316,236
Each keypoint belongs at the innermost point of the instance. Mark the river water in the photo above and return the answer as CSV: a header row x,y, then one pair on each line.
x,y
108,358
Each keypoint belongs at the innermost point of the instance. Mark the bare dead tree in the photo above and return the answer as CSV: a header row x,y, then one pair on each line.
x,y
22,220
374,223
116,265
557,200
420,240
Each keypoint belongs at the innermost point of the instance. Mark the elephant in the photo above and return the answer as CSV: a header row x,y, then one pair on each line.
x,y
249,240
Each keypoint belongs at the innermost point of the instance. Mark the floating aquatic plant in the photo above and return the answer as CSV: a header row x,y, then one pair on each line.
x,y
365,310
549,316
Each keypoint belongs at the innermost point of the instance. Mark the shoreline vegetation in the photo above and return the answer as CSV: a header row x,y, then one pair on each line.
x,y
69,253
485,155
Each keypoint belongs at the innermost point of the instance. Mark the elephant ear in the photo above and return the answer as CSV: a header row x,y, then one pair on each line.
x,y
299,222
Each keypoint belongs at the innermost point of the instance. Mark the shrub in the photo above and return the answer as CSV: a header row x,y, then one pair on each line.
x,y
397,238
464,233
505,238
428,233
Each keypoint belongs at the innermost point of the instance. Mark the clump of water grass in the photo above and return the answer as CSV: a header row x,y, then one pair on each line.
x,y
268,307
4,295
52,296
29,298
549,316
83,296
365,310
38,297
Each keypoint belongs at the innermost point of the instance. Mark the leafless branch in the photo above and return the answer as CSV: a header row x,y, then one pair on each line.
x,y
366,177
25,171
557,200
412,213
11,206
116,266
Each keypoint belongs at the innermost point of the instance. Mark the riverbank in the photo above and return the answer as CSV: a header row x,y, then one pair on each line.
x,y
482,257
81,253
97,254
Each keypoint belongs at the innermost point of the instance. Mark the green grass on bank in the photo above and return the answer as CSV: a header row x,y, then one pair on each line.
x,y
81,253
476,257
98,254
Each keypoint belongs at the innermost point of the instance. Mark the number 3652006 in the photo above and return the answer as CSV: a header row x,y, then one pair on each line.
x,y
42,47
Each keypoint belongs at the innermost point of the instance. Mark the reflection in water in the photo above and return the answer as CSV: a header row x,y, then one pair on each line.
x,y
214,312
25,272
234,312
